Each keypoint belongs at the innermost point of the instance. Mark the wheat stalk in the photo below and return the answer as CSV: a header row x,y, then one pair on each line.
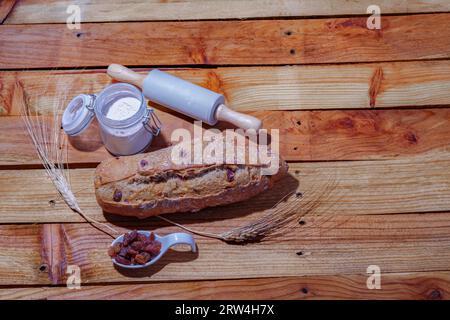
x,y
287,211
52,150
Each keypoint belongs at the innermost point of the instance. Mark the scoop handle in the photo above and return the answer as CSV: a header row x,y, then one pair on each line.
x,y
240,120
173,239
123,74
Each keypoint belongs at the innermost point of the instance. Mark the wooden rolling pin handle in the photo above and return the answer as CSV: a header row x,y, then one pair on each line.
x,y
123,74
223,113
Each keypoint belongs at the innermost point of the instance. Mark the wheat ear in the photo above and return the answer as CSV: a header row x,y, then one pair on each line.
x,y
51,149
274,221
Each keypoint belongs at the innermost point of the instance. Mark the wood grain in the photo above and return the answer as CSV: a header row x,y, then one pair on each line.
x,y
416,285
419,184
255,42
303,136
337,245
54,11
401,84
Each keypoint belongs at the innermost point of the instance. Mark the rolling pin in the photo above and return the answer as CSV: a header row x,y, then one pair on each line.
x,y
183,96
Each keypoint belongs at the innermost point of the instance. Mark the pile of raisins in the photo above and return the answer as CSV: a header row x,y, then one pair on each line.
x,y
136,248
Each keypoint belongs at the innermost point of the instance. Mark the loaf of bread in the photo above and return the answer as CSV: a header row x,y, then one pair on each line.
x,y
150,184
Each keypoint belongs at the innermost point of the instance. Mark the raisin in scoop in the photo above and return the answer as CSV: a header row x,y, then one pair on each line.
x,y
139,249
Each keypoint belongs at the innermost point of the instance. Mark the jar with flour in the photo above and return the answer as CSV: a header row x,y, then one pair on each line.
x,y
127,126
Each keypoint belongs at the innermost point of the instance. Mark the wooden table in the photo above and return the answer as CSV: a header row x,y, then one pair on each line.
x,y
368,108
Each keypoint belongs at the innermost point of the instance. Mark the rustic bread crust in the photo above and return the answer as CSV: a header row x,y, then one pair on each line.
x,y
115,171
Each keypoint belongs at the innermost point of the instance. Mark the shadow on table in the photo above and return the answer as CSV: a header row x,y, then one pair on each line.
x,y
261,202
171,256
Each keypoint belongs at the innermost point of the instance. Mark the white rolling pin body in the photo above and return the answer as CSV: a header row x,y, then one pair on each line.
x,y
182,96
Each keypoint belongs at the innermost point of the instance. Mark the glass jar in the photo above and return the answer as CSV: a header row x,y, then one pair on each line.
x,y
127,126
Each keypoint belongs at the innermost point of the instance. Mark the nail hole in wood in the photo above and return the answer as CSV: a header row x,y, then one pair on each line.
x,y
435,295
295,148
297,172
299,123
305,290
79,34
43,267
299,253
52,203
301,222
288,33
292,51
299,194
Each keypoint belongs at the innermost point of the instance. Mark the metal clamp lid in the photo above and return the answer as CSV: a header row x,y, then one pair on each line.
x,y
151,122
78,114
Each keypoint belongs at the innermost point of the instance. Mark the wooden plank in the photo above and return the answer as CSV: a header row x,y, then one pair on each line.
x,y
417,285
303,135
336,135
54,11
400,84
337,245
25,264
419,184
255,42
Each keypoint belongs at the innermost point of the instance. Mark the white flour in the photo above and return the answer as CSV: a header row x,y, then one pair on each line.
x,y
123,108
